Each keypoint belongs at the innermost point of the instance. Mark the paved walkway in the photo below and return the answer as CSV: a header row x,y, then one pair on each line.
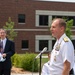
x,y
26,74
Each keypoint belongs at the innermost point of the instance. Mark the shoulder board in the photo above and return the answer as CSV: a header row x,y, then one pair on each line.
x,y
66,39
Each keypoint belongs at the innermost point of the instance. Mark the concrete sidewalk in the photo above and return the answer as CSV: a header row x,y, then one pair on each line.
x,y
26,74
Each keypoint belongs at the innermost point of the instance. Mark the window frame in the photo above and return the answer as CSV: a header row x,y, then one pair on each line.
x,y
22,45
19,15
43,18
43,37
50,14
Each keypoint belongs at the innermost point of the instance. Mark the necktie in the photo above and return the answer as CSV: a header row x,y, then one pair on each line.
x,y
1,46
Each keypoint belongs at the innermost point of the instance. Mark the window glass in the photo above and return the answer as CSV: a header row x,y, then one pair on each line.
x,y
42,44
53,42
21,18
43,20
73,41
65,17
25,44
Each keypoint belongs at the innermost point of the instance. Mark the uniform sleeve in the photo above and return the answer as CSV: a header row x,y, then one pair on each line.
x,y
68,53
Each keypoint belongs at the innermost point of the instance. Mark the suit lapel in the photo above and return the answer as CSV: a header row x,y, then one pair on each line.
x,y
6,45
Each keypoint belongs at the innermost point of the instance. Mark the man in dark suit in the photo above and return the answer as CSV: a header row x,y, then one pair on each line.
x,y
8,49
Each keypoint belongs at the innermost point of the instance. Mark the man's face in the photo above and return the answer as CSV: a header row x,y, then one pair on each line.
x,y
2,34
56,29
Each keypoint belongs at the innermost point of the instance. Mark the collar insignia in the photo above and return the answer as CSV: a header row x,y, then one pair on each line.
x,y
57,47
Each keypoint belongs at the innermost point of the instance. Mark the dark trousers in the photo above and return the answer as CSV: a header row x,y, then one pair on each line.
x,y
71,72
5,72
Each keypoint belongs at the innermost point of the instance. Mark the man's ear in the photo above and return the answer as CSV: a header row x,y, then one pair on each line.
x,y
62,28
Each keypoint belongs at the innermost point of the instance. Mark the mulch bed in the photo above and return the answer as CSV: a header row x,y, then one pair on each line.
x,y
19,70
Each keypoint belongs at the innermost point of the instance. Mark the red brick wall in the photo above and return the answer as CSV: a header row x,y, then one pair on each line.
x,y
11,8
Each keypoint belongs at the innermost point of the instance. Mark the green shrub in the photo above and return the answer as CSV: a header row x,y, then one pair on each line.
x,y
25,61
13,59
16,60
29,63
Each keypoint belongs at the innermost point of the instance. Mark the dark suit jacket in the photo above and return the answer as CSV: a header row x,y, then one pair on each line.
x,y
9,50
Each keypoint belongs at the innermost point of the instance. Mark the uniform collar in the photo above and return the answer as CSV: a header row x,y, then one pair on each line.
x,y
61,38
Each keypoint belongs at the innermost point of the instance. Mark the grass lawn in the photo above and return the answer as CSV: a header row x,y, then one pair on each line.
x,y
43,60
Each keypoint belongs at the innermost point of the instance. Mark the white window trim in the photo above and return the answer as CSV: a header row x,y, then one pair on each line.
x,y
64,13
43,37
22,23
50,13
37,20
25,49
73,37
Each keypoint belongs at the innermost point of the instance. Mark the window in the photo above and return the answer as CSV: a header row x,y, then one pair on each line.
x,y
65,17
25,44
73,41
42,44
42,41
44,17
21,18
43,20
53,42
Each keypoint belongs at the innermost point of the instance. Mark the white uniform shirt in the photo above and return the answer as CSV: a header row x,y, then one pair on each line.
x,y
45,69
64,51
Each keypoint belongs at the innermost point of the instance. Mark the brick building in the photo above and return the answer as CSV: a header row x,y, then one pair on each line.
x,y
32,21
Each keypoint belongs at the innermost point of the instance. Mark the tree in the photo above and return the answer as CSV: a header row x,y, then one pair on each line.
x,y
68,28
11,34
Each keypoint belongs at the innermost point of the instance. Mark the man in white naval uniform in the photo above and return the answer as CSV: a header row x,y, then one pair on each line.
x,y
62,55
45,68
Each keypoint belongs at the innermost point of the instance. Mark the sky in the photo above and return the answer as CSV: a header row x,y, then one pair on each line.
x,y
73,1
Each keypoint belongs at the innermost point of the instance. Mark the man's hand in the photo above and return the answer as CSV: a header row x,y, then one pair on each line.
x,y
4,55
